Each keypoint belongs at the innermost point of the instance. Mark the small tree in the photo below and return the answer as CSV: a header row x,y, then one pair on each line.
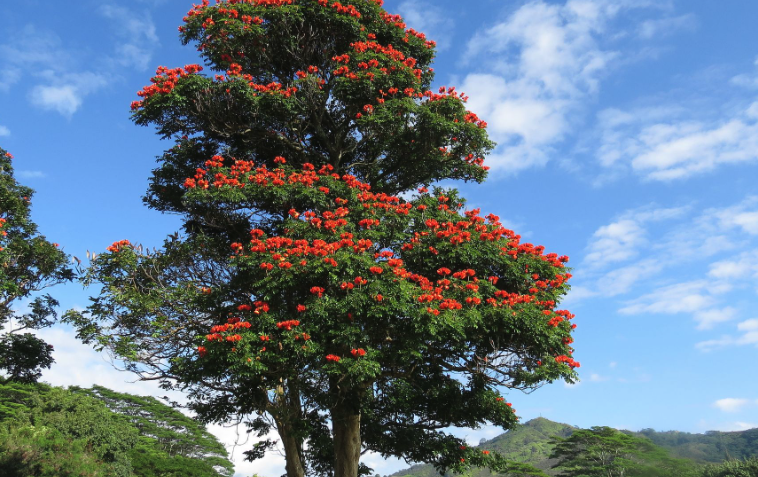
x,y
732,468
28,265
303,295
601,452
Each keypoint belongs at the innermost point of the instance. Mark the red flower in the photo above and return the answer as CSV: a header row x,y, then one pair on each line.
x,y
332,358
358,352
317,291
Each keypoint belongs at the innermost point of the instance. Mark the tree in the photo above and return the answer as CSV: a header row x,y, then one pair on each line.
x,y
50,432
606,452
170,444
732,468
302,294
28,265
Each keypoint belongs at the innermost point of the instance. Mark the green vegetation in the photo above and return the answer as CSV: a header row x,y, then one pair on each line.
x,y
648,453
733,468
606,452
29,264
50,432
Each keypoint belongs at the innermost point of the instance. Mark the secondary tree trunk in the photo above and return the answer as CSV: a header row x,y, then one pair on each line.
x,y
288,412
346,427
292,451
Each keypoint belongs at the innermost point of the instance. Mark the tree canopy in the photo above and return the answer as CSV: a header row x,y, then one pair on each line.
x,y
28,265
304,295
607,452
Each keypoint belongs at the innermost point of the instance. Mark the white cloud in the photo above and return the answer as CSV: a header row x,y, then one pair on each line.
x,y
67,91
137,34
596,378
749,336
545,60
622,239
4,131
743,267
428,17
622,280
666,26
63,99
56,82
707,319
668,143
30,174
742,216
746,79
698,297
731,404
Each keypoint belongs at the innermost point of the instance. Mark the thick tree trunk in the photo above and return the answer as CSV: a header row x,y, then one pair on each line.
x,y
292,451
346,427
288,413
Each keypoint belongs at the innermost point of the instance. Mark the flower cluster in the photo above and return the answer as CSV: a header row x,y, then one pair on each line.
x,y
164,82
119,246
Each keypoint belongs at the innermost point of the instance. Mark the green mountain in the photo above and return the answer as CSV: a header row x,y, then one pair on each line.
x,y
530,443
713,446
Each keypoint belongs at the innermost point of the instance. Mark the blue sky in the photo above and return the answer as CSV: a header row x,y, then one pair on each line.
x,y
628,140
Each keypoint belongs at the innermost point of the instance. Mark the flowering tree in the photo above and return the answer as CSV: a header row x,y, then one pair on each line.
x,y
28,265
304,295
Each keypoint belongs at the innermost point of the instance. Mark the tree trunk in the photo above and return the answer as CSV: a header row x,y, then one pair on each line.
x,y
346,427
292,451
288,412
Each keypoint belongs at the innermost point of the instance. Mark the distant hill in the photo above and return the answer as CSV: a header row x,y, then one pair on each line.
x,y
529,443
713,446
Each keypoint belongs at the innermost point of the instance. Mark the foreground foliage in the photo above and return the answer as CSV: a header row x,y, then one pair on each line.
x,y
50,432
28,265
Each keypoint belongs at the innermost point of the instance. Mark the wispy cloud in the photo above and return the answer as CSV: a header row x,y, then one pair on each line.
x,y
666,26
30,174
669,142
667,239
622,239
59,77
55,83
731,404
749,336
539,66
4,131
430,18
66,93
698,297
748,80
136,32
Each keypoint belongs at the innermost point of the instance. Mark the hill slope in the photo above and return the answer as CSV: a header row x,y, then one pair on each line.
x,y
529,443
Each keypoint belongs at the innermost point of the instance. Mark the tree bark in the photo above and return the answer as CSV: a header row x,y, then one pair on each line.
x,y
292,451
346,428
289,412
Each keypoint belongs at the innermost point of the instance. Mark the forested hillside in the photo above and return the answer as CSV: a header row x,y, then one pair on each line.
x,y
531,443
49,431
